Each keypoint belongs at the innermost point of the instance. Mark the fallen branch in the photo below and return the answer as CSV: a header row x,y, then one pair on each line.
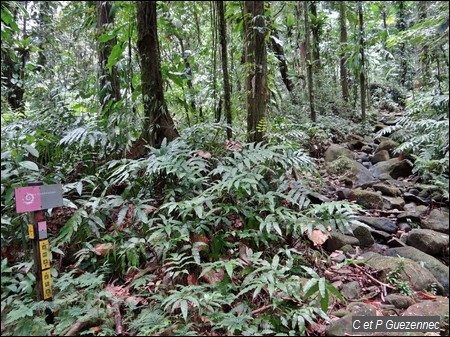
x,y
80,326
257,311
118,319
371,277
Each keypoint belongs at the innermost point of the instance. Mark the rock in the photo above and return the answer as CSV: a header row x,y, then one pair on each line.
x,y
367,199
317,198
438,307
388,190
404,227
340,327
348,249
393,168
393,202
366,149
336,151
438,220
395,242
410,217
342,193
399,301
386,145
380,156
361,309
382,224
338,240
413,208
419,278
362,233
437,268
414,191
357,142
380,235
350,169
409,197
428,241
351,290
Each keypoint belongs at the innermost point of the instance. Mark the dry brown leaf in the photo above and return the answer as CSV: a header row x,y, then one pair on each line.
x,y
318,237
233,145
103,248
200,238
212,277
192,280
205,155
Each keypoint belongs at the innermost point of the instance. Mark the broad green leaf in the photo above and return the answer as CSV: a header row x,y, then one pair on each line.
x,y
31,150
29,165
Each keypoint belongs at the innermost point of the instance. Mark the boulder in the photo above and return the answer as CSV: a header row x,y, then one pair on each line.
x,y
382,224
336,151
393,202
399,301
428,241
419,278
338,240
380,156
350,169
394,168
438,220
386,189
438,307
437,268
362,233
386,145
367,199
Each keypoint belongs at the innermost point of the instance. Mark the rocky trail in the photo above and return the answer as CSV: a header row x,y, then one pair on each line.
x,y
402,239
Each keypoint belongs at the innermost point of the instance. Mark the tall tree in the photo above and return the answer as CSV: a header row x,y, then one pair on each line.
x,y
309,65
362,76
401,26
256,61
425,50
343,57
226,79
315,29
109,80
158,123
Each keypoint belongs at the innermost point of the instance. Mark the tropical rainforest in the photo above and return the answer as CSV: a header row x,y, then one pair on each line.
x,y
227,167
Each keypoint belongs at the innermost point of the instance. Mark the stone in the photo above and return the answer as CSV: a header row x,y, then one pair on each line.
x,y
350,169
404,227
362,233
388,190
393,168
393,202
387,145
366,149
342,193
380,235
428,241
437,268
419,278
382,224
338,240
438,220
438,307
409,197
367,199
361,309
399,301
336,151
380,156
351,290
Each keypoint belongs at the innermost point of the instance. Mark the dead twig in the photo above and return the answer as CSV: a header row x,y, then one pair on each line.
x,y
257,311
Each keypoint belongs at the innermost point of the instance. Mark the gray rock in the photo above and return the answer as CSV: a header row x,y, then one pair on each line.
x,y
336,151
438,307
366,149
393,202
420,278
404,227
380,156
438,220
362,233
338,240
343,193
428,241
399,301
437,268
382,224
388,190
380,235
367,199
351,290
350,169
394,168
361,309
409,197
388,145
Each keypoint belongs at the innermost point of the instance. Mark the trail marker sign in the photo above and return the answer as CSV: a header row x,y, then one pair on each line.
x,y
36,198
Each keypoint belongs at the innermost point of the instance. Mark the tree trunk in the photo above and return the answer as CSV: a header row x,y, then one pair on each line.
x,y
226,79
343,57
256,60
158,123
424,51
316,39
362,77
109,80
401,26
309,66
282,63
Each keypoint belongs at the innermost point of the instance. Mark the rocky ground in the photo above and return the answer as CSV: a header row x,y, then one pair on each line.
x,y
403,237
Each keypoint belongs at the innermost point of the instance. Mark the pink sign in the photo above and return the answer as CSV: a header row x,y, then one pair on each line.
x,y
28,199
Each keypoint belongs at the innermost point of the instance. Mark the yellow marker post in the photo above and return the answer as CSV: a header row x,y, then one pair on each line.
x,y
30,231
